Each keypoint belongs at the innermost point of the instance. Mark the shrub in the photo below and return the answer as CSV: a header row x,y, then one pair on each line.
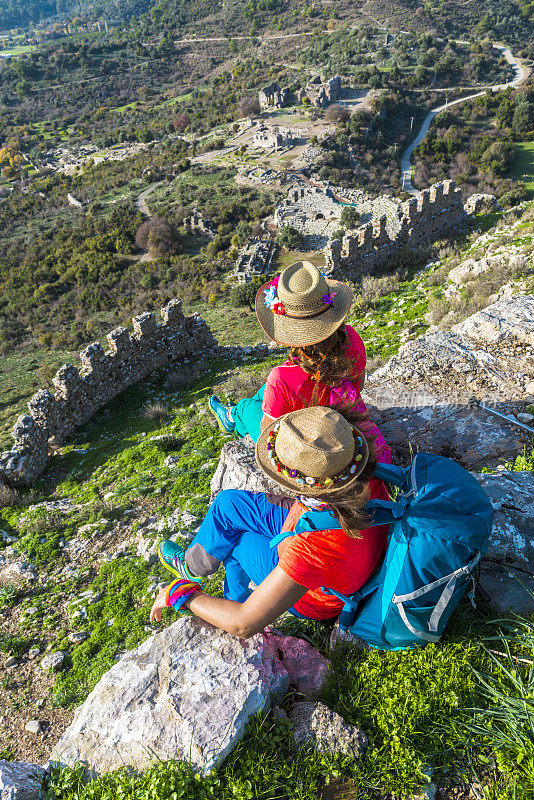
x,y
8,496
290,238
156,412
245,293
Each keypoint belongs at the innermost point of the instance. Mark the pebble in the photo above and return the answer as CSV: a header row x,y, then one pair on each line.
x,y
40,703
11,661
77,637
525,417
34,652
33,726
53,661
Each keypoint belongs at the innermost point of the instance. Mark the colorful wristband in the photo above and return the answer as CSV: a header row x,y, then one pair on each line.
x,y
179,591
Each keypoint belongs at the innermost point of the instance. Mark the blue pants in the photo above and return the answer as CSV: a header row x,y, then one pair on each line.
x,y
237,531
248,414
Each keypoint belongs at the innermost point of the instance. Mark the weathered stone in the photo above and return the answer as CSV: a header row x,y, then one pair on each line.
x,y
237,469
11,661
14,570
33,726
317,727
505,321
187,692
20,781
507,571
77,637
53,662
308,669
412,421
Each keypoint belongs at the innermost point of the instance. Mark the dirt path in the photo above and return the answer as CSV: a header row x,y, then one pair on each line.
x,y
141,203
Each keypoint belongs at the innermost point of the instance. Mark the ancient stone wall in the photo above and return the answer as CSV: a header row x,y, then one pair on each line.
x,y
103,374
424,217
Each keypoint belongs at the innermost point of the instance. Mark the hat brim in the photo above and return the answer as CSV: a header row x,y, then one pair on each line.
x,y
305,330
264,462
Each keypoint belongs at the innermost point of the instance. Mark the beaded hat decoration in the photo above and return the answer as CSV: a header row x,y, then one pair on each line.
x,y
314,451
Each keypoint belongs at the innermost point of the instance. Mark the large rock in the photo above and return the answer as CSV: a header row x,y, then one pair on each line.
x,y
186,692
20,781
237,469
418,420
507,571
308,669
510,321
488,355
471,268
316,727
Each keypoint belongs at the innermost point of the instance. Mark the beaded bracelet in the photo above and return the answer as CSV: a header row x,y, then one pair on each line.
x,y
179,591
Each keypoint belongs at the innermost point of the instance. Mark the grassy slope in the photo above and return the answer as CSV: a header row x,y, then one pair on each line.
x,y
411,704
524,166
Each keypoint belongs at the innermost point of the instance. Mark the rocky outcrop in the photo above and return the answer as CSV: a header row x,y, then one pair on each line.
x,y
317,727
20,781
185,693
507,572
237,469
471,268
488,355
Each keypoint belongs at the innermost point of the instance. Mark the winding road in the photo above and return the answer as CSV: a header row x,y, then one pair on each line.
x,y
406,165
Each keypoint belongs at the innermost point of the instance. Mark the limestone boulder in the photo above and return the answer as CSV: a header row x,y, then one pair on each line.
x,y
317,727
20,781
237,469
488,355
507,571
412,420
186,692
507,321
307,668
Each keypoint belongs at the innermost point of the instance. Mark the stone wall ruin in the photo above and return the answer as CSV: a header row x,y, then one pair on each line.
x,y
79,393
424,217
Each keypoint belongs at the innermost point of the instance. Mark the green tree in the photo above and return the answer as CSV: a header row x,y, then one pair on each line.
x,y
290,238
350,218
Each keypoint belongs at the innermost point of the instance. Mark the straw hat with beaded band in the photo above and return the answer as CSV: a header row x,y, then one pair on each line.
x,y
302,307
314,451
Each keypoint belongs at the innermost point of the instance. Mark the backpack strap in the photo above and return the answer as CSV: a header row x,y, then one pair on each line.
x,y
386,512
390,473
450,582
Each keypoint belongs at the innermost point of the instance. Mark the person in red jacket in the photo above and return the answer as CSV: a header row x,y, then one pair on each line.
x,y
292,550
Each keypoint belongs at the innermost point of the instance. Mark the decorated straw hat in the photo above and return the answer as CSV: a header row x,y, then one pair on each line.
x,y
302,307
314,451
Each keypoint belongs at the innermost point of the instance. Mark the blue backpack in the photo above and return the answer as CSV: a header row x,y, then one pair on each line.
x,y
440,528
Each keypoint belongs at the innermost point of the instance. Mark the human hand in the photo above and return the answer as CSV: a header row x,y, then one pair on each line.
x,y
159,604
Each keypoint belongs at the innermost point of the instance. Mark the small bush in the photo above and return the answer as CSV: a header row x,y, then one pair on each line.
x,y
8,496
155,412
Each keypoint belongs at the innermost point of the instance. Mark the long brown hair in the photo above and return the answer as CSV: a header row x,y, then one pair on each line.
x,y
348,508
328,361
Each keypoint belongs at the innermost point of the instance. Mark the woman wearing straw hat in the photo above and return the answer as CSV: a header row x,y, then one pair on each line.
x,y
288,549
305,311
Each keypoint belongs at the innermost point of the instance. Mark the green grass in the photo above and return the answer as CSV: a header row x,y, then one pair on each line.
x,y
523,168
414,705
18,50
22,373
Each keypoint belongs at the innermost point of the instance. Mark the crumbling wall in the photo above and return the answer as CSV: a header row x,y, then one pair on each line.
x,y
424,217
102,375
